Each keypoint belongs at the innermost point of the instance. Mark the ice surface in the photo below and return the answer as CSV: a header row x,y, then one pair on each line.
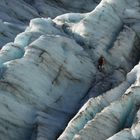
x,y
50,70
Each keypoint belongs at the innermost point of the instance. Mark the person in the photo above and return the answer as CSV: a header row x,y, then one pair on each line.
x,y
101,62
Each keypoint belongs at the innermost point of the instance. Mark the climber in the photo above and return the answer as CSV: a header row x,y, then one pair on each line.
x,y
101,62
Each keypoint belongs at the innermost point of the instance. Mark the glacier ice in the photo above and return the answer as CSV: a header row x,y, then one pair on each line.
x,y
49,57
50,70
88,120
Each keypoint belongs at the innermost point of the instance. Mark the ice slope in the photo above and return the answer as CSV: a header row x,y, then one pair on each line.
x,y
16,11
20,11
56,60
16,14
92,107
132,133
8,31
53,8
50,70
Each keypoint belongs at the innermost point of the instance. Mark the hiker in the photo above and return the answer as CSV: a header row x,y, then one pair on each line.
x,y
101,62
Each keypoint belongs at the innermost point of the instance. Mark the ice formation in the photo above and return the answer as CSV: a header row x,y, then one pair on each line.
x,y
50,87
16,14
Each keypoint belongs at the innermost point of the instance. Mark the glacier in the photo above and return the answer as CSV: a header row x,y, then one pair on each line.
x,y
50,87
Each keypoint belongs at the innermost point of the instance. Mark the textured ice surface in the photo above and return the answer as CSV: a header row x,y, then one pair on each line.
x,y
49,72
